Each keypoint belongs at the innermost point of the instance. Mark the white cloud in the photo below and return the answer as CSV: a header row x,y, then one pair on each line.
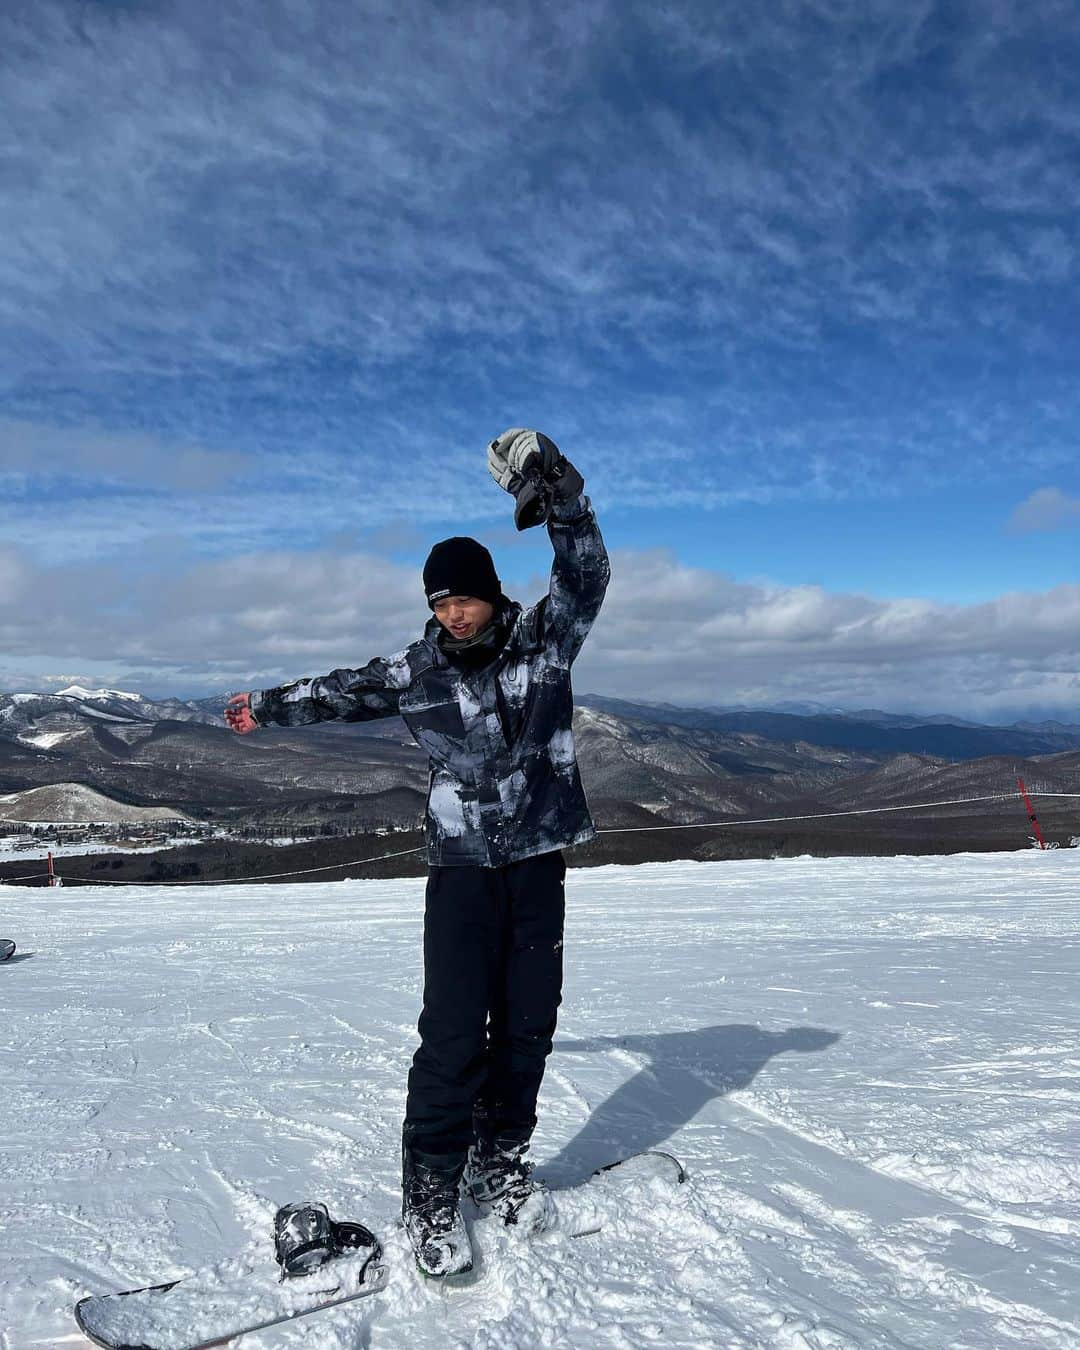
x,y
667,632
687,635
1046,509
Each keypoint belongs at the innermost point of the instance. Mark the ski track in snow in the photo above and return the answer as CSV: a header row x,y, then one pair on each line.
x,y
869,1066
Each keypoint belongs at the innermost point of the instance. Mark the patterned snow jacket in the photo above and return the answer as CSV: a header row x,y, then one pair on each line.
x,y
504,781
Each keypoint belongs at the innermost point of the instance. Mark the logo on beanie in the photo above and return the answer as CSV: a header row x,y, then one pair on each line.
x,y
438,595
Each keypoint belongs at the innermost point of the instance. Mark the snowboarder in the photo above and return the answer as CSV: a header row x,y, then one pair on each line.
x,y
486,692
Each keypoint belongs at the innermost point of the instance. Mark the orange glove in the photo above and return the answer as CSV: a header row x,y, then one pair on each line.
x,y
238,714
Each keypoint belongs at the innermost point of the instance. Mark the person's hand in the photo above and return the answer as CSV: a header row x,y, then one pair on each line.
x,y
520,452
532,468
238,714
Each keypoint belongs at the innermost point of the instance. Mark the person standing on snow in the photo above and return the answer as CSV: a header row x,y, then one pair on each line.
x,y
486,692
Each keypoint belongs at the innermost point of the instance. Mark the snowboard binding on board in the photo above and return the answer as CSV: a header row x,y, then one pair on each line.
x,y
306,1237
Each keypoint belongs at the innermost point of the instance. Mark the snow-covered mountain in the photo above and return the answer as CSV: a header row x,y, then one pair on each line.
x,y
869,1067
38,713
119,704
75,802
77,691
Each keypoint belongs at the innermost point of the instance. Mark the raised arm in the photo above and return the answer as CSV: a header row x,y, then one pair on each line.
x,y
547,488
579,577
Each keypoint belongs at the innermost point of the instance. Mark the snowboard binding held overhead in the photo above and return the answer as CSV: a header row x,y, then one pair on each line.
x,y
306,1237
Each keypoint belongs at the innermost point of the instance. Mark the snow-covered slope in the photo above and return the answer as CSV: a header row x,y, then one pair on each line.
x,y
870,1068
77,802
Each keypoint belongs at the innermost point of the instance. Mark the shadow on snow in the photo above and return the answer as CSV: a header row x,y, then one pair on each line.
x,y
685,1070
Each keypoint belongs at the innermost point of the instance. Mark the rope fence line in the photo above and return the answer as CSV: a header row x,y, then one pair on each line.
x,y
829,815
625,829
241,881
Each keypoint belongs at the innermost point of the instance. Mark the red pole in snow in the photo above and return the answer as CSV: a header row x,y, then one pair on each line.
x,y
52,877
1031,814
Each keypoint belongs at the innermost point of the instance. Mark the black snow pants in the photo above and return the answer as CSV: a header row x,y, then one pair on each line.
x,y
492,985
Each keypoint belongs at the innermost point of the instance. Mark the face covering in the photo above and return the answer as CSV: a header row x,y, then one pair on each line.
x,y
482,647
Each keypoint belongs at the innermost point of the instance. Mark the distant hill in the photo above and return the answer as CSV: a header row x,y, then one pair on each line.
x,y
870,733
75,802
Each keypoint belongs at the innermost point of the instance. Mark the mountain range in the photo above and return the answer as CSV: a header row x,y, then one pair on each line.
x,y
643,764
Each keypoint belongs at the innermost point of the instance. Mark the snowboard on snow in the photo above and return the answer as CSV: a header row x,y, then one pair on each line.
x,y
216,1306
583,1210
7,948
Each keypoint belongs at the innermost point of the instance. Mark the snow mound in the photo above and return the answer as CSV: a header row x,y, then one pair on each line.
x,y
75,802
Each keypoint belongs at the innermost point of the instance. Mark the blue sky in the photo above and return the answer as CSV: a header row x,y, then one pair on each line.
x,y
796,289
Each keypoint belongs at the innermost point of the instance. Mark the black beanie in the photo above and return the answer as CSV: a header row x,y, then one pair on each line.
x,y
461,566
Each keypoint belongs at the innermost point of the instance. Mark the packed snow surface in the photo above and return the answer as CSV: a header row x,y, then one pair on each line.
x,y
869,1066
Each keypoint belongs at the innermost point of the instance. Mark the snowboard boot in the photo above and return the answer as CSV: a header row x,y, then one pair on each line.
x,y
499,1176
430,1212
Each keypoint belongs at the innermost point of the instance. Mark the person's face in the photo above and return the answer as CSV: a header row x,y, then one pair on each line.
x,y
463,616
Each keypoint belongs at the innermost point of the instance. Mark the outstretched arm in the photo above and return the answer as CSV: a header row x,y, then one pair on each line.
x,y
351,695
